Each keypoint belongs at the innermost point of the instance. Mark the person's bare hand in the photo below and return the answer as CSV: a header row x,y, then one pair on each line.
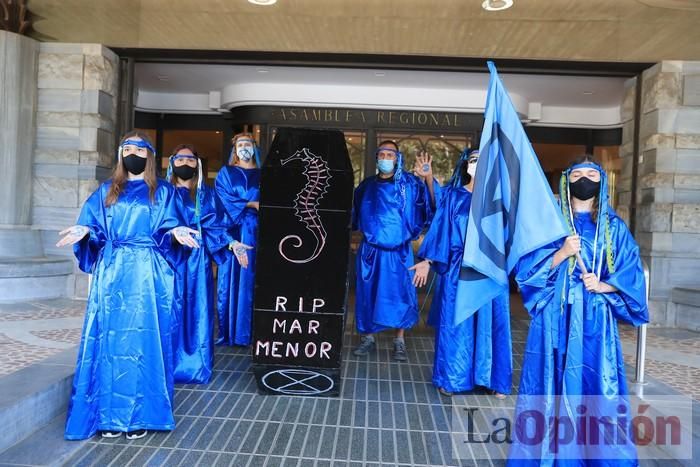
x,y
72,235
240,251
422,269
423,166
186,236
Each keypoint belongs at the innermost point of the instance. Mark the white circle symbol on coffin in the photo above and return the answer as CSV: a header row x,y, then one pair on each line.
x,y
298,382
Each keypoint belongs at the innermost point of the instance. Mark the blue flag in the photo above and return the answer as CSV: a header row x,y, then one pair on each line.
x,y
513,211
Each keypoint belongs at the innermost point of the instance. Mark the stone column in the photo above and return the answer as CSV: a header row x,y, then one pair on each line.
x,y
18,95
668,201
75,140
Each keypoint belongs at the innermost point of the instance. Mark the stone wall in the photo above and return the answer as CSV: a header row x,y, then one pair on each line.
x,y
75,140
668,183
18,94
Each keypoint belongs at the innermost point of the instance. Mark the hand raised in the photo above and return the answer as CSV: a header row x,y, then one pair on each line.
x,y
423,166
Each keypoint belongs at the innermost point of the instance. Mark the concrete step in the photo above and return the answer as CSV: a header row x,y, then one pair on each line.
x,y
20,241
32,397
44,447
34,278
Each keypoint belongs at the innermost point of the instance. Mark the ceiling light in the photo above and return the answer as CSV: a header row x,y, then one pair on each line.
x,y
162,77
379,73
496,5
263,70
262,2
587,93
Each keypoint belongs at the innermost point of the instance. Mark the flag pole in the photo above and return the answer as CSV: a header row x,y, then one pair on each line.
x,y
581,266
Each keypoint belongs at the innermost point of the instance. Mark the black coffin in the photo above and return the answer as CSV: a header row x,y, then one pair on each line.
x,y
301,279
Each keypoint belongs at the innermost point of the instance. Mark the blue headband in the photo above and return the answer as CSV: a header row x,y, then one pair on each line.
x,y
397,153
587,165
139,143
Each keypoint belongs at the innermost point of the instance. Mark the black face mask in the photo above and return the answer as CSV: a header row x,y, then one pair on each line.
x,y
134,164
584,188
184,172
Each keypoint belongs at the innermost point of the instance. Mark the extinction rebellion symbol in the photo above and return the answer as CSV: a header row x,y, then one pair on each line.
x,y
295,381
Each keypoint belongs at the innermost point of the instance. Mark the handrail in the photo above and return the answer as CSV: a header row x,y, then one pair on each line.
x,y
642,335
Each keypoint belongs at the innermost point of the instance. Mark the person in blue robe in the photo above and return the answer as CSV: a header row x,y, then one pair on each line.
x,y
194,280
478,351
575,292
238,188
127,237
390,209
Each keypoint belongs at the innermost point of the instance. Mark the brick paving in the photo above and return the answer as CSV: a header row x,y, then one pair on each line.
x,y
27,333
15,355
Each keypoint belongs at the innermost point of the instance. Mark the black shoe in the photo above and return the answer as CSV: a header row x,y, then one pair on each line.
x,y
136,434
445,392
366,346
400,351
111,434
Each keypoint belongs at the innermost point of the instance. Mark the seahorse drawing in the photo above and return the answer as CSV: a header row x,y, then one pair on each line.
x,y
306,203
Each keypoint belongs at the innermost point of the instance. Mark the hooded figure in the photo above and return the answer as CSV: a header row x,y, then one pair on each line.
x,y
390,209
238,189
478,350
194,279
124,375
573,361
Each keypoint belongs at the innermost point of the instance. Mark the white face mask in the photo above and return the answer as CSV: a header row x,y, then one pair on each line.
x,y
471,168
245,153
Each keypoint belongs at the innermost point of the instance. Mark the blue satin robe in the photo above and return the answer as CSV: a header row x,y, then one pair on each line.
x,y
194,289
478,351
385,296
573,347
235,187
124,375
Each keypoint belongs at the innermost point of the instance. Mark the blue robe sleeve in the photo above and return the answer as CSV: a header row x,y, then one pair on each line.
x,y
214,228
439,240
231,189
421,209
167,213
92,215
357,201
629,303
536,279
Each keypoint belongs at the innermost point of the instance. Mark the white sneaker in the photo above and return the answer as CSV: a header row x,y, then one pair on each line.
x,y
138,434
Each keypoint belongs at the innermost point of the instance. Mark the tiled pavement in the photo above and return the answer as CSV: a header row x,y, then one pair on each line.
x,y
387,414
33,331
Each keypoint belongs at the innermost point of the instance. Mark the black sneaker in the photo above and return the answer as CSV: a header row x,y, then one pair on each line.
x,y
111,434
136,434
400,351
366,346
